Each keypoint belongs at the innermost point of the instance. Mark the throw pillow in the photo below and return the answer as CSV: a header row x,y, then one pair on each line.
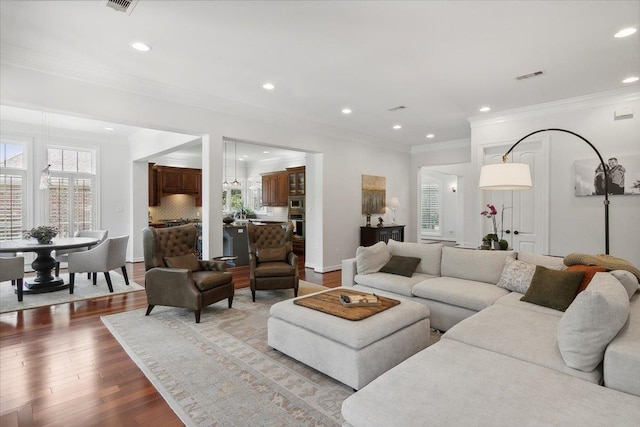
x,y
188,262
592,321
401,265
516,275
371,259
628,280
553,288
589,272
272,254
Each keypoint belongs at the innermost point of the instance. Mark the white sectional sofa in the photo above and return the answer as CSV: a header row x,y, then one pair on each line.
x,y
502,361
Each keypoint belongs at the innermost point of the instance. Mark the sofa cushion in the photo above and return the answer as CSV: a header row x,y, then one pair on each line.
x,y
370,259
188,262
552,262
480,266
462,293
206,280
274,269
516,275
589,272
622,357
451,383
553,288
628,280
591,322
401,265
430,255
513,299
514,332
400,285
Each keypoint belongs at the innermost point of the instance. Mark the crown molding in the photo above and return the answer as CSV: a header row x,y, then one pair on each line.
x,y
443,145
48,64
561,106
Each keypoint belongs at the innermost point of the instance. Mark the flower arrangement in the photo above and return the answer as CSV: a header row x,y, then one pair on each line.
x,y
43,233
489,238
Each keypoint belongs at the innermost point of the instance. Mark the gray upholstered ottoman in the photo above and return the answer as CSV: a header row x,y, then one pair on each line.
x,y
352,352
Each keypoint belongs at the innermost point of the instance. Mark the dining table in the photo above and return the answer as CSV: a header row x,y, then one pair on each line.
x,y
44,264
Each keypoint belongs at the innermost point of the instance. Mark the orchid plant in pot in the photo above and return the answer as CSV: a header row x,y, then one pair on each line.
x,y
492,240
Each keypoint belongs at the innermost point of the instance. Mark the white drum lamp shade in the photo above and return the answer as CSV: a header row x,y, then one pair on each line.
x,y
505,176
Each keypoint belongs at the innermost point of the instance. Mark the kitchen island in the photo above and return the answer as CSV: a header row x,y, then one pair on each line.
x,y
235,243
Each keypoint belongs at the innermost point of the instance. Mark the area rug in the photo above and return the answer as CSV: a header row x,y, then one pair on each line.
x,y
221,371
83,289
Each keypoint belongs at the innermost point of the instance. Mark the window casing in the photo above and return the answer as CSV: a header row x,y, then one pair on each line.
x,y
72,193
13,189
430,207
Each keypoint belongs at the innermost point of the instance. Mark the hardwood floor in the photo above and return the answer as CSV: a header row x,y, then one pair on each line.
x,y
59,365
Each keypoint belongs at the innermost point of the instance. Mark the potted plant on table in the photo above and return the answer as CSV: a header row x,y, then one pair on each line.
x,y
492,240
44,234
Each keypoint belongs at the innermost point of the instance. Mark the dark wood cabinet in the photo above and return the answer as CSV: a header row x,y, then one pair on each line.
x,y
372,235
275,189
296,179
166,180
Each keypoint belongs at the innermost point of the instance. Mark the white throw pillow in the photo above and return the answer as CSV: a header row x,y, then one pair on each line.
x,y
371,259
516,275
628,280
592,320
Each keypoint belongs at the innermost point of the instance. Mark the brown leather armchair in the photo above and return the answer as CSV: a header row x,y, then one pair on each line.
x,y
175,277
272,263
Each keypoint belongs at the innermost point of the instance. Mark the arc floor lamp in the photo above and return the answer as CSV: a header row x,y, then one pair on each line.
x,y
517,176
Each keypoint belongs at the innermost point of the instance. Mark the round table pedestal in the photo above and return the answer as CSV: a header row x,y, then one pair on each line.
x,y
45,281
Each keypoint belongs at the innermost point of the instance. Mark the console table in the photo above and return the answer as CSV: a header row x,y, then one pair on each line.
x,y
372,235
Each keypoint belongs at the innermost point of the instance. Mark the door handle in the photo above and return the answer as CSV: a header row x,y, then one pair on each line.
x,y
516,232
507,231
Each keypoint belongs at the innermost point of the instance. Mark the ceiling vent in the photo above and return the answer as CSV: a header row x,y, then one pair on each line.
x,y
398,108
125,6
530,75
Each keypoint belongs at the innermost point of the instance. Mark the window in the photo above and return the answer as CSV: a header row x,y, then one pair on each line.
x,y
72,193
232,199
430,206
13,176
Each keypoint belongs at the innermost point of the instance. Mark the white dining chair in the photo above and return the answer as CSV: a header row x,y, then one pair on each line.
x,y
12,269
62,255
107,256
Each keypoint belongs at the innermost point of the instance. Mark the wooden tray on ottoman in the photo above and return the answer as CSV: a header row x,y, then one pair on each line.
x,y
329,302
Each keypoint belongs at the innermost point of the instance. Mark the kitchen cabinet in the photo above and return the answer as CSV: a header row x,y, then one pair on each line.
x,y
372,235
275,188
166,180
296,178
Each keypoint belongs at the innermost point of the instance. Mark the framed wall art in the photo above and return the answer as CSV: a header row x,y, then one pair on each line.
x,y
374,194
622,174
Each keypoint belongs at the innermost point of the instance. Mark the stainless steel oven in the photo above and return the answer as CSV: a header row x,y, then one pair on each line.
x,y
296,203
298,224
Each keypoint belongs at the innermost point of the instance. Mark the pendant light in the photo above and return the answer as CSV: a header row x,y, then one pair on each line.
x,y
235,182
225,183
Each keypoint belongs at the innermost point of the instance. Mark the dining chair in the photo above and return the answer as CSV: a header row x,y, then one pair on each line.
x,y
272,263
107,256
13,269
62,255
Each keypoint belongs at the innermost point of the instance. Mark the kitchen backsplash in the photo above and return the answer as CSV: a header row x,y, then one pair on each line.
x,y
174,207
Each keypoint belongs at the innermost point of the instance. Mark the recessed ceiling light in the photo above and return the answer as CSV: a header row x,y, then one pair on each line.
x,y
346,111
265,152
109,128
269,86
625,32
485,109
631,79
142,47
430,135
397,127
245,156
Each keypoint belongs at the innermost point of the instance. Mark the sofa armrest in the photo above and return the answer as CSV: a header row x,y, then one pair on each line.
x,y
213,265
349,271
173,287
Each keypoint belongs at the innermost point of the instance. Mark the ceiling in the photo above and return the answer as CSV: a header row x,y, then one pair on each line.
x,y
442,60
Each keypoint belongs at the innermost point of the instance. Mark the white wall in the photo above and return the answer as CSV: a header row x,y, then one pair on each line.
x,y
336,218
576,223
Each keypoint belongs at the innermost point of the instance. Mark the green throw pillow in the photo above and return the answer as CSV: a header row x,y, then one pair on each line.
x,y
401,265
553,288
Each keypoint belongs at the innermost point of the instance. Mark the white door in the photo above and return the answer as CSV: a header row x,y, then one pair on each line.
x,y
523,215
